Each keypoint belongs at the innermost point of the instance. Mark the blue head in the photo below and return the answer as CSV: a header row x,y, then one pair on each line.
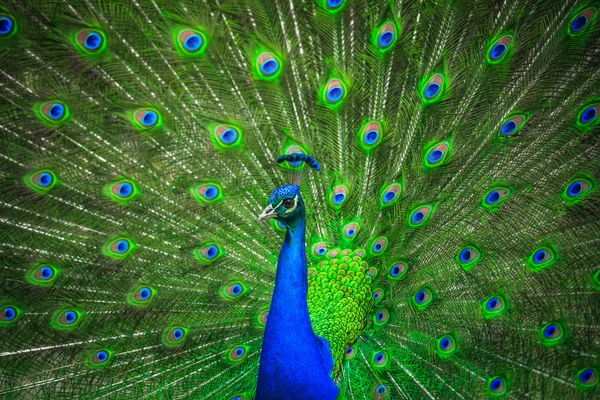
x,y
285,205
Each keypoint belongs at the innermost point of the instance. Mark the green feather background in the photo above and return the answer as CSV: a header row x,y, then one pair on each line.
x,y
190,251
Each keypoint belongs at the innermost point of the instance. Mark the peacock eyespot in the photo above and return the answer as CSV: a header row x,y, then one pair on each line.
x,y
379,245
208,192
175,336
42,275
191,42
541,258
226,136
268,66
494,306
8,26
512,125
433,88
90,41
390,194
208,253
553,334
380,359
350,353
381,317
379,392
98,359
499,49
419,216
350,230
146,119
237,354
384,37
495,197
378,295
53,113
580,21
319,249
141,296
9,314
587,378
333,93
338,195
370,135
233,290
496,386
577,189
468,257
41,181
122,191
66,319
119,248
447,345
398,271
423,299
437,155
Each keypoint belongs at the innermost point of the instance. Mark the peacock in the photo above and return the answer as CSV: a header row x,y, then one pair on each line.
x,y
299,199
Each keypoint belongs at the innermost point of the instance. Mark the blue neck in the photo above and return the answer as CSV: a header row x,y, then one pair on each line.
x,y
292,359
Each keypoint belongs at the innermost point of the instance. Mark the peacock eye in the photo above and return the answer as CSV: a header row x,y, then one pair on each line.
x,y
288,203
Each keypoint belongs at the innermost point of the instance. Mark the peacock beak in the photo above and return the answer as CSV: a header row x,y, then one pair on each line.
x,y
268,213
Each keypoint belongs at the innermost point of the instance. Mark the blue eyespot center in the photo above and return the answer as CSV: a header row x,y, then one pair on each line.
x,y
339,198
498,51
93,41
421,296
509,127
349,350
579,23
371,137
9,313
6,25
496,384
122,246
57,111
435,155
389,196
377,247
432,90
376,295
445,343
237,289
150,118
178,333
385,39
381,389
334,3
540,256
465,256
211,192
335,94
351,232
193,42
380,316
587,375
550,330
46,273
395,270
321,251
102,355
418,216
588,115
493,197
45,179
229,136
212,252
145,293
70,316
575,188
492,303
240,351
125,189
379,357
269,67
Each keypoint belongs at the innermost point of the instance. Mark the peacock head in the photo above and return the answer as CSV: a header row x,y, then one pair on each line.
x,y
285,203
